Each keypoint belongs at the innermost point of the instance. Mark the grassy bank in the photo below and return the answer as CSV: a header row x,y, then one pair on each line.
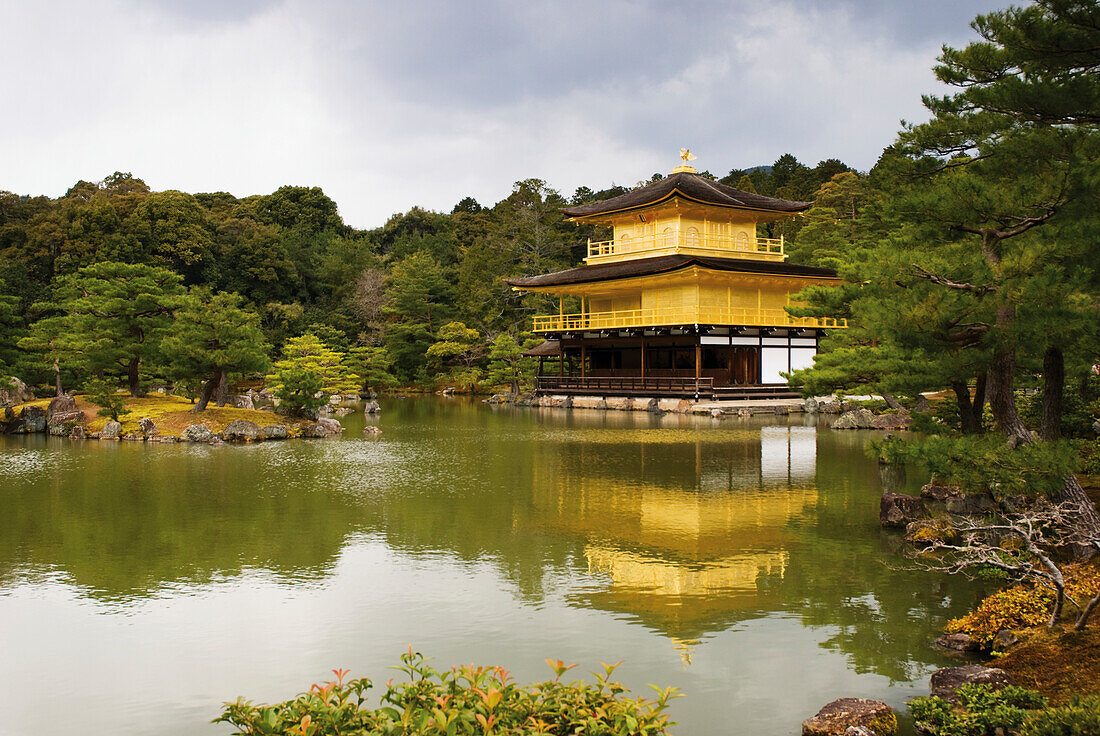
x,y
172,414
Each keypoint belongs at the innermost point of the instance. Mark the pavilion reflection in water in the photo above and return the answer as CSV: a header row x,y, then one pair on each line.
x,y
701,540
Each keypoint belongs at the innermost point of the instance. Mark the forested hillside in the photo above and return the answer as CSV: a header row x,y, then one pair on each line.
x,y
387,295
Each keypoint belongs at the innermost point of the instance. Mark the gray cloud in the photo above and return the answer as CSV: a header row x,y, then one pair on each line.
x,y
387,105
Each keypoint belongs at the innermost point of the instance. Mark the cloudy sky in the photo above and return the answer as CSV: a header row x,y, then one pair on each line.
x,y
387,105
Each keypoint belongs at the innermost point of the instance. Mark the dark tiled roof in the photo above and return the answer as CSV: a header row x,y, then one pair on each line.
x,y
690,186
666,264
550,347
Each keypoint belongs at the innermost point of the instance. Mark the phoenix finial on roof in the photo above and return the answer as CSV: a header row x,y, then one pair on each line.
x,y
686,155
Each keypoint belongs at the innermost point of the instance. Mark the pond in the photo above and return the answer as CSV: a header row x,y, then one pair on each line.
x,y
739,560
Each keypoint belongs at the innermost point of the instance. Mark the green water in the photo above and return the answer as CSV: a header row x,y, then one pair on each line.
x,y
741,561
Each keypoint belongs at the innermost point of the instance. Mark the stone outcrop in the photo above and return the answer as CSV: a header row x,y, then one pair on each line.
x,y
61,423
969,504
242,430
891,421
110,431
14,392
331,425
196,433
371,430
838,716
263,400
946,681
938,492
242,401
147,427
957,642
314,430
899,509
77,433
60,404
683,406
275,432
855,419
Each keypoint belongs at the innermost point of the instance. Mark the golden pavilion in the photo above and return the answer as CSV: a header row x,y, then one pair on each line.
x,y
684,300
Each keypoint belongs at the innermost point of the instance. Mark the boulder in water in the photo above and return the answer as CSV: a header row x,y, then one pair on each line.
x,y
331,425
898,509
242,430
855,419
197,433
148,428
111,431
275,432
838,716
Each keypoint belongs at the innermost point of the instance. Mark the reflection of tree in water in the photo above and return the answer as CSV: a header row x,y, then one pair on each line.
x,y
849,575
686,530
122,521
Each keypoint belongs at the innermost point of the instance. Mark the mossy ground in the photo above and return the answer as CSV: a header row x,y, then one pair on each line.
x,y
172,414
1057,664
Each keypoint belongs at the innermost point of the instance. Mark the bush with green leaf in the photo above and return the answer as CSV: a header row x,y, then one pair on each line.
x,y
105,395
981,711
1080,717
462,700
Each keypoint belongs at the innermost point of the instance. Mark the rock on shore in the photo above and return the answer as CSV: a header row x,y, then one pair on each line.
x,y
838,716
899,509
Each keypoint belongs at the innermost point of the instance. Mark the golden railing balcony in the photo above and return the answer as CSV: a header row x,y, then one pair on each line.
x,y
679,317
690,242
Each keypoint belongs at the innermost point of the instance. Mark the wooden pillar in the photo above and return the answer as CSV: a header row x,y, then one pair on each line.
x,y
698,363
643,355
561,360
584,355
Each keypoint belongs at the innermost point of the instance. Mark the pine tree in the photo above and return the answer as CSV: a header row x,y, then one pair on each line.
x,y
115,315
214,336
308,368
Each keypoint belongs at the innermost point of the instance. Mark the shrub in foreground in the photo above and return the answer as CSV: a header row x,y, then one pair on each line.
x,y
981,711
462,700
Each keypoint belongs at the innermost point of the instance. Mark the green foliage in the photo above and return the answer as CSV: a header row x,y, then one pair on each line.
x,y
986,464
307,367
507,364
418,293
983,711
105,395
213,333
463,700
114,316
373,365
1080,717
11,330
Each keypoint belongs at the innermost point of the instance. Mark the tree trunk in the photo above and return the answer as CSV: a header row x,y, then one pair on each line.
x,y
57,378
1001,382
223,387
1083,619
893,403
1054,379
134,377
966,411
207,391
515,387
978,406
1059,601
